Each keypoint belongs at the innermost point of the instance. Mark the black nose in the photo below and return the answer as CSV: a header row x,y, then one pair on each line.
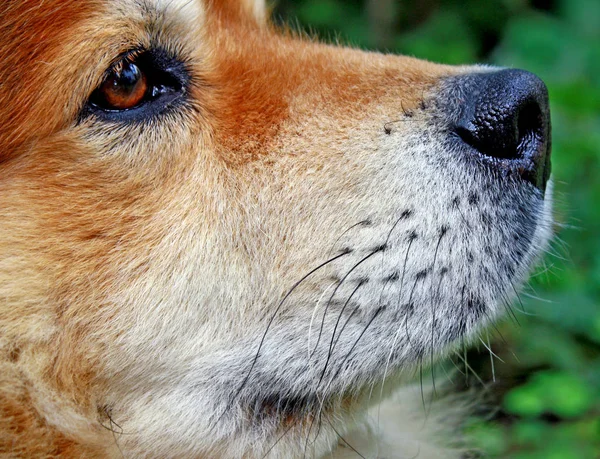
x,y
504,115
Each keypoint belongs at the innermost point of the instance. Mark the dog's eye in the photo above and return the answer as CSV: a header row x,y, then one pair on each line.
x,y
138,86
125,88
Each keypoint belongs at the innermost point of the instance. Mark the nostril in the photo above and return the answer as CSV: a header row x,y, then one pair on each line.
x,y
530,128
467,136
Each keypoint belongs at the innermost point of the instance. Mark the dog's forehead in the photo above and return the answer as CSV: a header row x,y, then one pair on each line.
x,y
189,10
192,10
131,14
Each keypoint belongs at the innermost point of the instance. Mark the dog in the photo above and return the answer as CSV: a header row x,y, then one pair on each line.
x,y
221,240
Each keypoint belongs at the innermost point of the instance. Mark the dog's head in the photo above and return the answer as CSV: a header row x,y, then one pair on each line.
x,y
213,230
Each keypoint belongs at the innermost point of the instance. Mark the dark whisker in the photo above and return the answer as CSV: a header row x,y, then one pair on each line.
x,y
467,366
421,385
334,330
381,308
278,440
411,238
364,222
312,422
462,215
344,440
354,311
410,305
497,330
247,377
387,127
506,300
341,366
377,250
112,429
418,452
518,296
403,216
433,318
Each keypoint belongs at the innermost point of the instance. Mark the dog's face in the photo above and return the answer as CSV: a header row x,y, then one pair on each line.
x,y
212,230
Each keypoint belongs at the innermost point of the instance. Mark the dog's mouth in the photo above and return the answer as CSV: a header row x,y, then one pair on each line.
x,y
285,410
390,308
385,327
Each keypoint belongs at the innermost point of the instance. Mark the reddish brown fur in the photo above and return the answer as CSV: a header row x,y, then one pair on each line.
x,y
33,35
23,433
260,78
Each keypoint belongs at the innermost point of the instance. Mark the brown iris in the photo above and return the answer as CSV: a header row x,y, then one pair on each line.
x,y
125,88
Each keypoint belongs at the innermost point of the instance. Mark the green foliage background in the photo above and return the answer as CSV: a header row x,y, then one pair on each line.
x,y
547,384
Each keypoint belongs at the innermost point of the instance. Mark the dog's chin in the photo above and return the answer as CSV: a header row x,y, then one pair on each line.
x,y
358,366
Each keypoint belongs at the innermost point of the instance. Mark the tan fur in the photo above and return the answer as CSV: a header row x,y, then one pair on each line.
x,y
126,251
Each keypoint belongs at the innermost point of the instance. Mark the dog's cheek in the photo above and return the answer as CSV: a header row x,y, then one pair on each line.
x,y
73,229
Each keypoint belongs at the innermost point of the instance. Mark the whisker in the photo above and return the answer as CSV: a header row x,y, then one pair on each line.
x,y
364,222
387,127
354,311
448,375
334,330
277,441
344,440
537,298
547,269
247,377
421,387
377,312
442,234
411,239
377,250
488,347
523,310
341,366
403,216
469,367
495,327
307,442
112,430
410,305
312,318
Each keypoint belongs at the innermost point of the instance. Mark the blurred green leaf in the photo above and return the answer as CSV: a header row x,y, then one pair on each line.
x,y
525,401
488,437
444,38
584,15
564,394
530,433
322,13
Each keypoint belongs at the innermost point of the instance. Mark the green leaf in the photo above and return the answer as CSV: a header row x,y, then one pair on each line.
x,y
445,38
525,401
488,437
565,395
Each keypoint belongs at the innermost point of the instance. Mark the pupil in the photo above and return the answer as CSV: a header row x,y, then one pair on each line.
x,y
129,77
